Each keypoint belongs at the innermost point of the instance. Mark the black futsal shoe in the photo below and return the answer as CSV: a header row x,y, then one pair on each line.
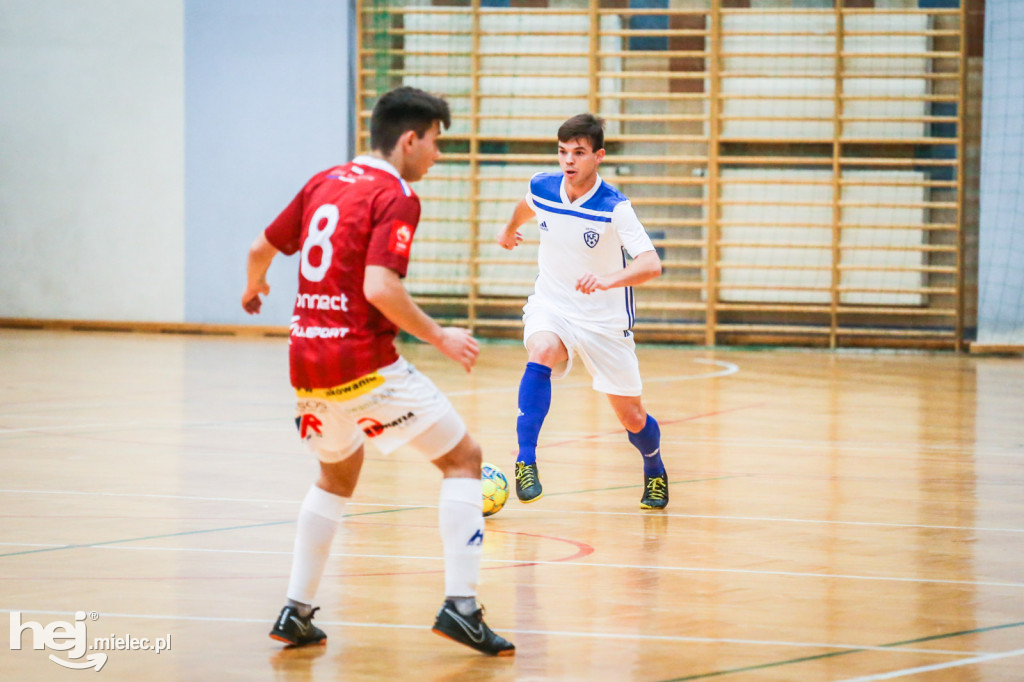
x,y
528,488
655,492
471,630
294,630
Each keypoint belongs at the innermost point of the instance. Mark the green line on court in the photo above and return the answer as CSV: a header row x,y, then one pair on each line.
x,y
186,532
833,654
387,511
628,487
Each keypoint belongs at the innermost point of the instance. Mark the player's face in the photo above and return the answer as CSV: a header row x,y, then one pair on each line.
x,y
422,153
579,163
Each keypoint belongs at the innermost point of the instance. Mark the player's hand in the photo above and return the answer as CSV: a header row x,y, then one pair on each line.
x,y
251,301
459,345
510,241
589,283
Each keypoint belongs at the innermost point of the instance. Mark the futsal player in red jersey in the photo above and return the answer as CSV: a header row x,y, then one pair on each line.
x,y
353,227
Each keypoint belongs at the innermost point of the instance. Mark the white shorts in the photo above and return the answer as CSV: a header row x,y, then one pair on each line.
x,y
610,356
394,406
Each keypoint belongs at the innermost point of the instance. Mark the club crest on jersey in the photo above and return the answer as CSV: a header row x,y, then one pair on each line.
x,y
401,238
590,238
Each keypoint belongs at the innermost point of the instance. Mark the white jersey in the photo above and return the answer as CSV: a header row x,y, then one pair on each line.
x,y
586,235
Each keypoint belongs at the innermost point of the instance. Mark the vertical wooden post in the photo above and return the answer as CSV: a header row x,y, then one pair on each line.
x,y
837,173
713,46
594,47
474,173
360,97
961,130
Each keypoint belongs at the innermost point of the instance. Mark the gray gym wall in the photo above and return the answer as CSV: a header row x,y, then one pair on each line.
x,y
144,144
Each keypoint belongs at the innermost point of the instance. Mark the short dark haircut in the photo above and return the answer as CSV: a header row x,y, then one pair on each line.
x,y
404,109
583,127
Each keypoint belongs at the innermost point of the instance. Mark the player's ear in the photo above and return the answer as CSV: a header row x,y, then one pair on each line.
x,y
600,155
406,139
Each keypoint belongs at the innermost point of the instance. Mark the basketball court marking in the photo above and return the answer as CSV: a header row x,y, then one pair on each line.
x,y
846,648
891,646
663,423
938,666
524,509
728,368
514,563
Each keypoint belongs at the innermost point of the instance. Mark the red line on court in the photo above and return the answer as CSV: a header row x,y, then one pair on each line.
x,y
662,423
582,550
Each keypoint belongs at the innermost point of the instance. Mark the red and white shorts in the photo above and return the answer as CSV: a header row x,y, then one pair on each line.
x,y
392,407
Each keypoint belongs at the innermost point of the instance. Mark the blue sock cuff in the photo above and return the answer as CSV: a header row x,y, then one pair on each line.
x,y
648,442
537,367
648,437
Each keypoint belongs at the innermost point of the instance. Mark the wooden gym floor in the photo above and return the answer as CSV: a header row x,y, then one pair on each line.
x,y
833,516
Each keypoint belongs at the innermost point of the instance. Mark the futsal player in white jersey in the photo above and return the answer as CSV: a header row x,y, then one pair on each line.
x,y
582,303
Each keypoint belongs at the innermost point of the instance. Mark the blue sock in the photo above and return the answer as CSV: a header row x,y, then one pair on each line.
x,y
648,442
534,403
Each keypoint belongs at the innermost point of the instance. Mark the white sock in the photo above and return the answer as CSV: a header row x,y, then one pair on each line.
x,y
460,514
318,519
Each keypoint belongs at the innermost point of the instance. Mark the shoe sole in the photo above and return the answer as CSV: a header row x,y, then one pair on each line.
x,y
322,642
647,506
506,652
532,499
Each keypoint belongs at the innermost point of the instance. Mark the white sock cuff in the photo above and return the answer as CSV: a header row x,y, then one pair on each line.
x,y
464,490
322,503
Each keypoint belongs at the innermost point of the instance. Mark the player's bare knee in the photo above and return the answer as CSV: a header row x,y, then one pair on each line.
x,y
548,355
462,461
339,476
470,457
546,348
633,419
635,425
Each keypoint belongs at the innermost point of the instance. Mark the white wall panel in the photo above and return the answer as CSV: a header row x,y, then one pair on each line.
x,y
91,158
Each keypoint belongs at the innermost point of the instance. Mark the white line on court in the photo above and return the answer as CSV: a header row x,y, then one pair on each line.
x,y
984,658
193,498
538,562
548,633
560,512
727,369
135,426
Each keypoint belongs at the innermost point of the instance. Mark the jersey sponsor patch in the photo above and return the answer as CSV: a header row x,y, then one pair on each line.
x,y
297,330
401,238
322,302
352,389
373,428
309,426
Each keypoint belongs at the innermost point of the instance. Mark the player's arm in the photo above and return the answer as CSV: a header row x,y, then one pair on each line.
x,y
261,254
645,267
384,290
510,237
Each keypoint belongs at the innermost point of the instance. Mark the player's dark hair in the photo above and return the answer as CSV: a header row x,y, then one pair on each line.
x,y
403,109
583,127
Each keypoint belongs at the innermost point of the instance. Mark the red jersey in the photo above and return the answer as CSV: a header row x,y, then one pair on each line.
x,y
345,218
